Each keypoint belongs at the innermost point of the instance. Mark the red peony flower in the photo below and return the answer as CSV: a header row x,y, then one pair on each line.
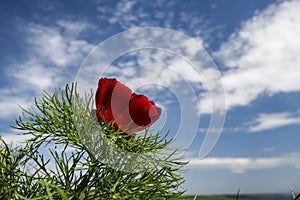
x,y
129,112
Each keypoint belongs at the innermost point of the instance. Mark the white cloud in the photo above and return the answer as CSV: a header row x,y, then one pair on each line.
x,y
244,164
263,122
272,121
60,44
130,14
12,97
15,138
159,13
75,28
53,52
263,56
36,74
9,106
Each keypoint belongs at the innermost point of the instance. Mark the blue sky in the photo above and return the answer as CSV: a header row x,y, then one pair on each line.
x,y
255,45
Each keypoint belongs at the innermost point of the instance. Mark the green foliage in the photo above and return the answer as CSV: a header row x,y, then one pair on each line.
x,y
71,155
242,197
293,193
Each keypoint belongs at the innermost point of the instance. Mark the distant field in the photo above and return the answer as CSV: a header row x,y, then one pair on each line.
x,y
242,197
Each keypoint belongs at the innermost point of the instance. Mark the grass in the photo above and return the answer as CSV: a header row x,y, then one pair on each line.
x,y
238,196
241,197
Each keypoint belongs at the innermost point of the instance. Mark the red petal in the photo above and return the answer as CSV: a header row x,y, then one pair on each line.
x,y
120,105
143,112
130,112
104,91
103,98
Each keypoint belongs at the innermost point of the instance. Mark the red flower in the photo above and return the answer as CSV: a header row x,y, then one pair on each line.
x,y
129,112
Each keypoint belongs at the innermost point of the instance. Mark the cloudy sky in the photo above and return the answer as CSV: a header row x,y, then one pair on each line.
x,y
251,59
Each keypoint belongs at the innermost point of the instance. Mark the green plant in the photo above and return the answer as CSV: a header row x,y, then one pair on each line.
x,y
71,155
295,197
